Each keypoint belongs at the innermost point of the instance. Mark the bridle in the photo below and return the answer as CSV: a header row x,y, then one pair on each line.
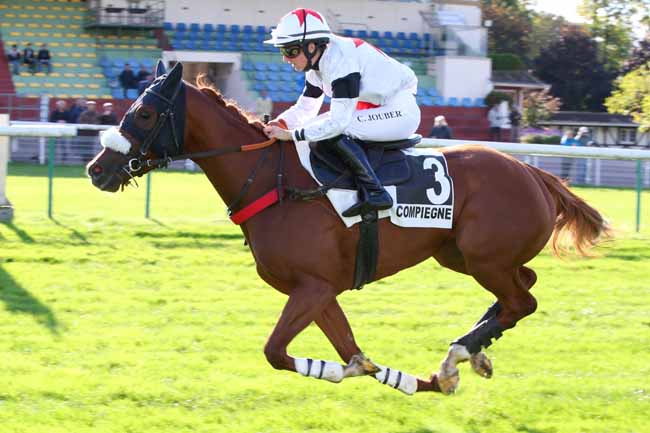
x,y
138,159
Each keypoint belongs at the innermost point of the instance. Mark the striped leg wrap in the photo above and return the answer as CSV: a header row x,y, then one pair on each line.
x,y
394,378
319,369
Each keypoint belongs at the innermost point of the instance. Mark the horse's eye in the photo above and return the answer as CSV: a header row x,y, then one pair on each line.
x,y
145,115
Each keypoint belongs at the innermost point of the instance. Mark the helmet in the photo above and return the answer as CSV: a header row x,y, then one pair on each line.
x,y
300,25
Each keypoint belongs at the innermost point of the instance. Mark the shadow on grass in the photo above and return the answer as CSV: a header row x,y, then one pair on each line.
x,y
74,232
191,235
22,234
35,170
19,301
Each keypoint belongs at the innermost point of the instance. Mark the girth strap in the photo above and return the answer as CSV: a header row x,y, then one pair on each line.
x,y
367,250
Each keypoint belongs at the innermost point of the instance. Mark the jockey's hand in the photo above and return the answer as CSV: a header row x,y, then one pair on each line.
x,y
275,131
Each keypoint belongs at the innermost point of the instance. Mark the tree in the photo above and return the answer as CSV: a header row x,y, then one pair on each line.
x,y
632,97
572,66
546,29
640,56
511,27
539,106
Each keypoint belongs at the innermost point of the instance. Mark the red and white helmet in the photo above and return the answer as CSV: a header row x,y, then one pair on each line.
x,y
299,25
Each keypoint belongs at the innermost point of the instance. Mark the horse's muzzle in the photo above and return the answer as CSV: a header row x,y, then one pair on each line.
x,y
103,179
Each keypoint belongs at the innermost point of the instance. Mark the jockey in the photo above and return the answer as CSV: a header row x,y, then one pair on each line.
x,y
372,98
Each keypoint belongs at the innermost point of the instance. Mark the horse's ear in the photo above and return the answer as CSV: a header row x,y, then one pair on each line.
x,y
173,79
160,68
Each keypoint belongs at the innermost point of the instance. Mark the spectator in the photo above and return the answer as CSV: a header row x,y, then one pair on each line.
x,y
440,128
143,73
567,140
89,117
263,104
44,59
77,108
582,139
127,79
60,114
108,117
14,59
143,84
494,119
29,59
515,121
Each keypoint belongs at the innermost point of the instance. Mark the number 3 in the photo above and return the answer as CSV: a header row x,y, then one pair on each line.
x,y
440,178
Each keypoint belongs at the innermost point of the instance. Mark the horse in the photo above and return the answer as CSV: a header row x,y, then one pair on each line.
x,y
504,215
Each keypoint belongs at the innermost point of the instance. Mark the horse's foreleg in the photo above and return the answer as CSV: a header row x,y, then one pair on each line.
x,y
336,327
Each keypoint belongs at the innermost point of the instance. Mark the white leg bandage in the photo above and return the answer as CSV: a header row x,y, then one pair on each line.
x,y
394,378
319,369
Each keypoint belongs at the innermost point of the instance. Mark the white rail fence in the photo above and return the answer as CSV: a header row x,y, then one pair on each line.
x,y
594,159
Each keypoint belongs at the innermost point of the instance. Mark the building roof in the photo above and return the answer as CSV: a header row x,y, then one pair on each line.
x,y
584,118
517,79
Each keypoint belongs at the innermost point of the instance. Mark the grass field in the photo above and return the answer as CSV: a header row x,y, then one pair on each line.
x,y
114,323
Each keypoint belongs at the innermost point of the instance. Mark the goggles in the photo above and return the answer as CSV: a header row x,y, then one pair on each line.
x,y
291,52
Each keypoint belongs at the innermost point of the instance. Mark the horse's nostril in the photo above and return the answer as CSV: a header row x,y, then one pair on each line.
x,y
96,170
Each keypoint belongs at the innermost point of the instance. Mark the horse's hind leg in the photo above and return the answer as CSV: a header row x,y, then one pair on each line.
x,y
336,327
514,302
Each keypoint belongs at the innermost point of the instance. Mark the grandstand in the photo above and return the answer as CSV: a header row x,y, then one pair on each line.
x,y
91,41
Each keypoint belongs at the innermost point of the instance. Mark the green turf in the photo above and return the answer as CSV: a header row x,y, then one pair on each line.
x,y
112,323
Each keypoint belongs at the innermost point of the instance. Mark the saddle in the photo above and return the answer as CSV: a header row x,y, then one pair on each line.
x,y
385,157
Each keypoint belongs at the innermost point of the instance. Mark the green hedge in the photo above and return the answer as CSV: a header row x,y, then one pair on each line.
x,y
541,139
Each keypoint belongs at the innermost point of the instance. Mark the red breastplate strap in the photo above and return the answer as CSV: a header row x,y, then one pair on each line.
x,y
362,105
255,207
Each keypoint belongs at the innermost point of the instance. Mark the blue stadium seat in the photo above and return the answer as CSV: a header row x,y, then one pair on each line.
x,y
132,93
206,45
466,102
260,76
362,34
111,73
374,34
218,45
413,35
427,101
432,92
439,101
275,67
195,27
234,28
117,93
260,30
168,27
259,86
119,63
479,102
247,66
247,29
208,28
388,35
261,66
273,76
221,28
286,68
104,62
453,101
230,46
400,35
181,27
148,63
273,86
348,33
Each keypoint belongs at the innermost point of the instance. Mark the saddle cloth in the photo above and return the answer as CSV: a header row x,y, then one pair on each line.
x,y
418,180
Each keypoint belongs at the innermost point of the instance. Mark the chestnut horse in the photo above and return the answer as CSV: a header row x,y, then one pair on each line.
x,y
505,212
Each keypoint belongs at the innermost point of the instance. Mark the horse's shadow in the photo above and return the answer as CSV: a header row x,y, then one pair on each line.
x,y
19,301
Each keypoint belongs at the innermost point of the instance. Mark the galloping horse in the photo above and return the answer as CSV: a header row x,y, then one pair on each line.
x,y
505,212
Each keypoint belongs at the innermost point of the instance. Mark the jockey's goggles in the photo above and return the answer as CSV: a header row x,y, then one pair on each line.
x,y
291,52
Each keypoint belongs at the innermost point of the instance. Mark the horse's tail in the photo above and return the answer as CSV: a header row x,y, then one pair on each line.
x,y
575,218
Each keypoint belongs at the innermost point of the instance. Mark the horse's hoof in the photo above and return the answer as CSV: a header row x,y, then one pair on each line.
x,y
359,365
481,364
448,384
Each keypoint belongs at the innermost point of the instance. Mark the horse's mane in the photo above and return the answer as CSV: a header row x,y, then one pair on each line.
x,y
207,88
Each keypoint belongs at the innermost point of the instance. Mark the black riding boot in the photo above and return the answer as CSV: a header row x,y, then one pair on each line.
x,y
373,195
